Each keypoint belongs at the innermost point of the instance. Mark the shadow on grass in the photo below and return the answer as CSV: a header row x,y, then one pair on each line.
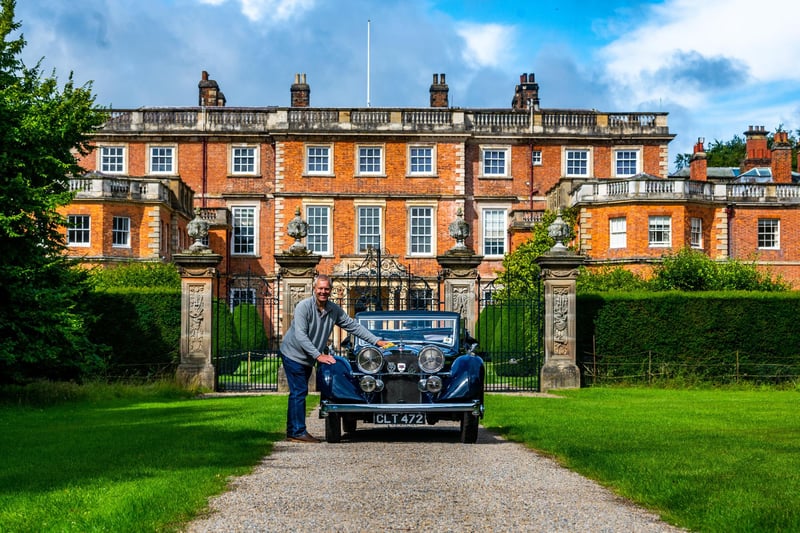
x,y
75,445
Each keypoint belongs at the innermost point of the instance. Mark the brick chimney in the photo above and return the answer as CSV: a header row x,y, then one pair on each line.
x,y
439,91
756,144
526,93
210,95
301,92
698,166
781,158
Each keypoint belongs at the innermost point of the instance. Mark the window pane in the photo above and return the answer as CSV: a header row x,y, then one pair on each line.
x,y
369,160
660,231
244,230
577,162
161,159
536,157
78,231
120,231
768,233
627,162
244,160
421,160
494,162
494,231
618,237
111,159
421,222
318,221
369,228
318,159
696,237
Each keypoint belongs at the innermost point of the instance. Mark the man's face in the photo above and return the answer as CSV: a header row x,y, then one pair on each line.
x,y
322,291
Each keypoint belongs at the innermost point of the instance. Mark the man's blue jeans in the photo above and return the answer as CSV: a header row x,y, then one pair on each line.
x,y
297,377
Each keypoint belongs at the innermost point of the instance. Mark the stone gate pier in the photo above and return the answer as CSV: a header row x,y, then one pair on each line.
x,y
559,273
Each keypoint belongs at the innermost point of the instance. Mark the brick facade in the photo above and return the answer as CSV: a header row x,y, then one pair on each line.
x,y
203,140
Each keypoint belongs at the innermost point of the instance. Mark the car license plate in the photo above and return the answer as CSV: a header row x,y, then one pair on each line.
x,y
399,418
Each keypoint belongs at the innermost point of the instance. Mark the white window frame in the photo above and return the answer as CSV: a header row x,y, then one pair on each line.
x,y
494,233
79,236
104,163
308,157
431,171
254,234
488,154
618,159
381,207
234,157
121,230
411,208
569,169
536,158
173,159
769,231
364,154
696,232
617,232
326,247
659,226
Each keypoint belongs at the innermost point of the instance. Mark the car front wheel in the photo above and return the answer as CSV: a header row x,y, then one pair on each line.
x,y
469,428
333,428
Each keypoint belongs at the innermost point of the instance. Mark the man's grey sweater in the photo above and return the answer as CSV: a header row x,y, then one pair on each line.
x,y
310,330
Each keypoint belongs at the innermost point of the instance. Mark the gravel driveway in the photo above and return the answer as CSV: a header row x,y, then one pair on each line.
x,y
417,478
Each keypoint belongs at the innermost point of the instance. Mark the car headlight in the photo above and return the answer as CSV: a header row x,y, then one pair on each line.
x,y
431,359
369,360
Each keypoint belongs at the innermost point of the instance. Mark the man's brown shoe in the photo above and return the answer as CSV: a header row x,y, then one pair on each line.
x,y
305,437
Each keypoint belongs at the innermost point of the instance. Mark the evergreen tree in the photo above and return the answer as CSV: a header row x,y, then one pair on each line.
x,y
42,128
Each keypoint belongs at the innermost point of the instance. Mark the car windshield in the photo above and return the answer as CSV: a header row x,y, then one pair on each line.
x,y
414,329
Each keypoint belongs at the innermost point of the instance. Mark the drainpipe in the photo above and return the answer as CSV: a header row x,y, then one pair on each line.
x,y
530,183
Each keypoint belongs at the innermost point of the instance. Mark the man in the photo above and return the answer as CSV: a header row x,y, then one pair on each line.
x,y
305,343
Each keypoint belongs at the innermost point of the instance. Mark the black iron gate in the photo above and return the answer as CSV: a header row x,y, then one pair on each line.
x,y
246,333
380,283
247,322
510,330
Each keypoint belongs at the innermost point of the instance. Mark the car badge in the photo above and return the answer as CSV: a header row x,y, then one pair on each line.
x,y
401,367
391,366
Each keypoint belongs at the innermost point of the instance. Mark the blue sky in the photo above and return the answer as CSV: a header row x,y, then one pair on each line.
x,y
715,66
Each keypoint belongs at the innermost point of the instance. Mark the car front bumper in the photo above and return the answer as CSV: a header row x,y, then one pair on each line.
x,y
326,407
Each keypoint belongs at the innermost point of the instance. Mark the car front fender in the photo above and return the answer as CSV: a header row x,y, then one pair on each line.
x,y
466,380
336,383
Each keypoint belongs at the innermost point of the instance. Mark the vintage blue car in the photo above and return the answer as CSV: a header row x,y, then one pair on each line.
x,y
429,373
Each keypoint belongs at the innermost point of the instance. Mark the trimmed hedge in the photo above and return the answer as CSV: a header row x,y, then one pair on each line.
x,y
692,330
141,326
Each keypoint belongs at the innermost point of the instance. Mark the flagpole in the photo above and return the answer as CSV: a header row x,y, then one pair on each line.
x,y
368,24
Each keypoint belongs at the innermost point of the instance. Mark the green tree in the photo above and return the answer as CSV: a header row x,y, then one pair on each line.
x,y
42,127
520,273
733,152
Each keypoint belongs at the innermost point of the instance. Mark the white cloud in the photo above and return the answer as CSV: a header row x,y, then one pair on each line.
x,y
268,10
686,50
486,44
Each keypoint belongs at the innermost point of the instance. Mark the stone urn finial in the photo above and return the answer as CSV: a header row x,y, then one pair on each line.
x,y
459,230
559,230
297,229
198,230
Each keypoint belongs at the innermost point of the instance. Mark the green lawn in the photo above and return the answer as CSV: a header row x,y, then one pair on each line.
x,y
708,460
147,459
127,461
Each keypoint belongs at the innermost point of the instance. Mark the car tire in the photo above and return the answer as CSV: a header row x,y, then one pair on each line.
x,y
469,428
349,423
333,428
